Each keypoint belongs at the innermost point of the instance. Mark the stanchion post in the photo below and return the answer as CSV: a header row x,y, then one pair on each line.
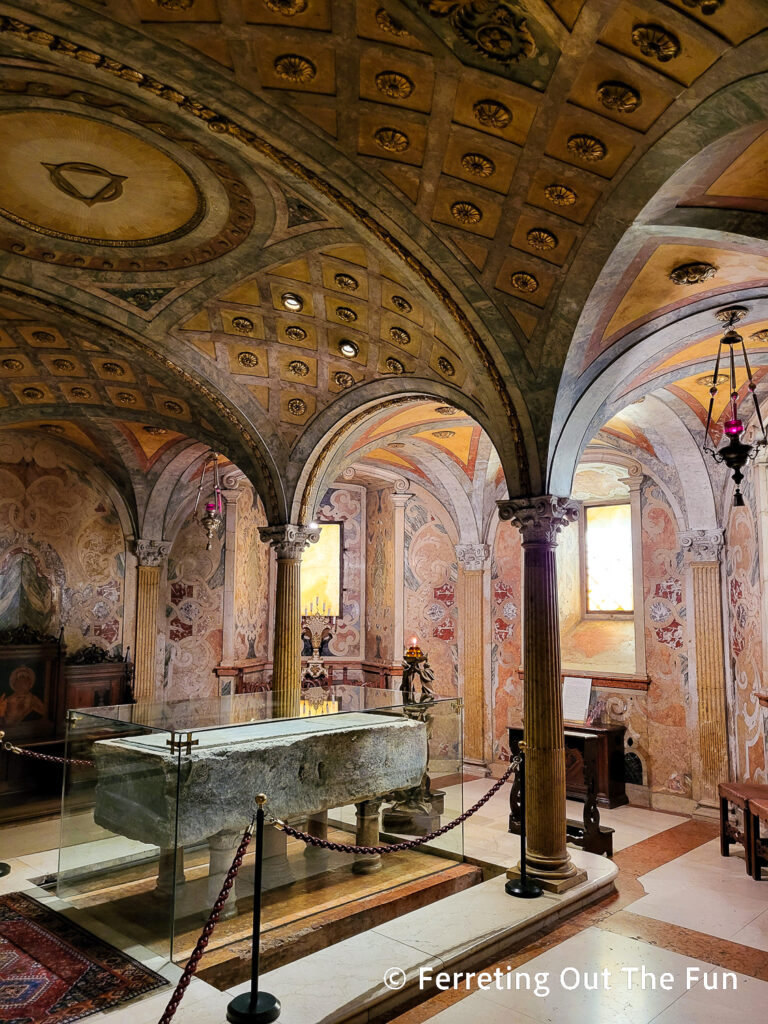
x,y
255,1007
522,887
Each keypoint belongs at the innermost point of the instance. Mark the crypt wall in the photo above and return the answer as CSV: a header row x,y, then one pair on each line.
x,y
62,548
380,577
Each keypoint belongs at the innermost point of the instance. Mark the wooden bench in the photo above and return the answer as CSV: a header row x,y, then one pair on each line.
x,y
758,814
739,794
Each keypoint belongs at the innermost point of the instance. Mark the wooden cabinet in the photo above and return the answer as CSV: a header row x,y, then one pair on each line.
x,y
608,761
98,685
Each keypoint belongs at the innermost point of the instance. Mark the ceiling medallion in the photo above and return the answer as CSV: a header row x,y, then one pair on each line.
x,y
33,393
52,428
477,164
155,431
707,6
443,433
524,282
343,379
394,84
761,336
80,393
297,407
401,303
586,148
295,333
466,213
654,41
709,380
391,139
44,337
249,359
13,364
295,68
692,273
540,238
731,314
347,282
445,410
394,366
175,5
494,30
174,408
492,114
346,314
288,8
242,324
113,369
399,335
618,96
387,23
65,365
298,368
445,366
560,195
108,186
123,397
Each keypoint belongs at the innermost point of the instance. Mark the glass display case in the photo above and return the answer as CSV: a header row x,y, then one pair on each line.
x,y
159,797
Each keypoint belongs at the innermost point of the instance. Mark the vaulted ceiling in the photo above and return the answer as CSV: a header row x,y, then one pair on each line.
x,y
272,214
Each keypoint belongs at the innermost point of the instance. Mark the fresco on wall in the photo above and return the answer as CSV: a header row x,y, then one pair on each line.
x,y
380,584
347,505
194,605
746,644
251,580
62,552
431,572
506,635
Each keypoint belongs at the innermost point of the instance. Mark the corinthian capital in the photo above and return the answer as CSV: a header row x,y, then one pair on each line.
x,y
539,520
702,545
152,552
472,557
289,541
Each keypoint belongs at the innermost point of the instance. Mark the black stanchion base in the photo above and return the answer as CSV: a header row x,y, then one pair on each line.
x,y
524,890
5,869
266,1010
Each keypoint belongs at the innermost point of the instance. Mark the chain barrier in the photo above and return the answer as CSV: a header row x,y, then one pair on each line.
x,y
409,844
207,932
13,749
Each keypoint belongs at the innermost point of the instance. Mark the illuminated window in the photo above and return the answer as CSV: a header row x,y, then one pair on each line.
x,y
608,551
321,573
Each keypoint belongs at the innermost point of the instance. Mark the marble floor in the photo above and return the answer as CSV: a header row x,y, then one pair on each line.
x,y
693,920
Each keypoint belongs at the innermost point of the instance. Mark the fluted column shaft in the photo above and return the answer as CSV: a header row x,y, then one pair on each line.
x,y
151,555
289,543
703,550
539,521
472,558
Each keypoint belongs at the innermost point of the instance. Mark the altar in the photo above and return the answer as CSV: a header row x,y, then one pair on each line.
x,y
169,791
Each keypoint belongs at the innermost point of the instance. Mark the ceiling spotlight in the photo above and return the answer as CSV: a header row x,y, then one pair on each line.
x,y
348,348
292,301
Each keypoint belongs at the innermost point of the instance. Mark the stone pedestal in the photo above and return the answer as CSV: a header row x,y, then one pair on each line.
x,y
472,559
170,873
367,835
703,549
289,543
151,555
539,521
222,847
317,826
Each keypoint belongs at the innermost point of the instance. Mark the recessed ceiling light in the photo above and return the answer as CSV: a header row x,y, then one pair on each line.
x,y
348,348
292,301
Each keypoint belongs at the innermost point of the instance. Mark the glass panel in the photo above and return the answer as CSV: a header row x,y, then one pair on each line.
x,y
149,830
609,558
321,573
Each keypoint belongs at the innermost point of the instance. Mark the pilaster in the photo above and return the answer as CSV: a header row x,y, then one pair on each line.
x,y
230,494
151,556
400,499
473,562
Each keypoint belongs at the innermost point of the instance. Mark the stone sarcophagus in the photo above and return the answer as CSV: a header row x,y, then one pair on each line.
x,y
148,793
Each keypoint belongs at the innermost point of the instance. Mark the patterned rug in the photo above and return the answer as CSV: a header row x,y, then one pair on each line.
x,y
54,972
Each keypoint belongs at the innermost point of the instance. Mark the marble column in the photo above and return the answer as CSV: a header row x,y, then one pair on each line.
x,y
400,499
289,543
473,559
150,555
539,521
703,551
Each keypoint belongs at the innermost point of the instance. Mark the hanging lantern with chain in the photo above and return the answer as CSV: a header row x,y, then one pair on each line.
x,y
212,517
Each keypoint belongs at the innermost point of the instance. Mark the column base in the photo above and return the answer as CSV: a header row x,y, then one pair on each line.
x,y
556,882
706,812
476,766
